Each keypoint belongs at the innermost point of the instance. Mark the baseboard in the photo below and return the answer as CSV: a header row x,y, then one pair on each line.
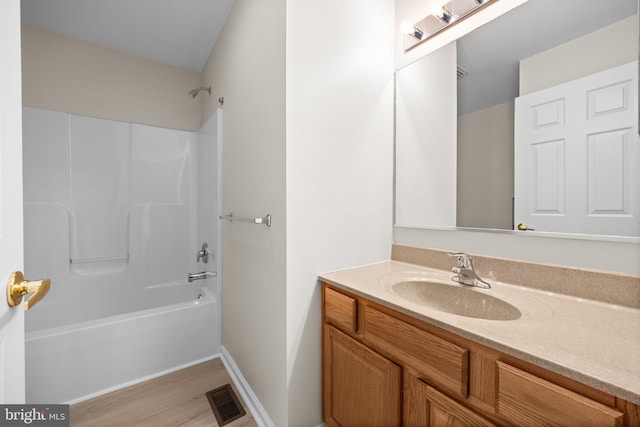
x,y
141,379
254,406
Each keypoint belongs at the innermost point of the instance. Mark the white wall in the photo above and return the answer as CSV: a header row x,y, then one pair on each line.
x,y
426,135
608,47
66,74
338,187
485,157
247,68
339,166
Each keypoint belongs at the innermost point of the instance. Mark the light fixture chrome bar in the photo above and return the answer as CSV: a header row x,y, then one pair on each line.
x,y
266,220
444,16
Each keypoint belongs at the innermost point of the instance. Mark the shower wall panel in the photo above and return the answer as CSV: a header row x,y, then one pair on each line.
x,y
99,174
162,197
110,215
45,155
161,166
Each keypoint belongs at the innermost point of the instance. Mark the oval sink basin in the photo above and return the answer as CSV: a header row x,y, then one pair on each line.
x,y
459,300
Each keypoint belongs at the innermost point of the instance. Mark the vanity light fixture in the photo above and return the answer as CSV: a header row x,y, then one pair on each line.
x,y
443,16
416,33
412,31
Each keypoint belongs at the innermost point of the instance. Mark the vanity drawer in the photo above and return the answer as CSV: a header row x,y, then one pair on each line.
x,y
340,310
439,361
527,400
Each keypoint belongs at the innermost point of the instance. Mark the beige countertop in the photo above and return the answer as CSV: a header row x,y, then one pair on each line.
x,y
592,342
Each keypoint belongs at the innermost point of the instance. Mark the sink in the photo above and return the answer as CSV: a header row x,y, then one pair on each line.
x,y
456,299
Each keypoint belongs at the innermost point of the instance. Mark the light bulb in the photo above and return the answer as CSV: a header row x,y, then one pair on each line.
x,y
436,10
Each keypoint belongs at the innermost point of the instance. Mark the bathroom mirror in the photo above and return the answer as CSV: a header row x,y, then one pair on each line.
x,y
455,135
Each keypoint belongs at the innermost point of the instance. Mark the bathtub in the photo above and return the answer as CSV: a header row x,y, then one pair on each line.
x,y
69,364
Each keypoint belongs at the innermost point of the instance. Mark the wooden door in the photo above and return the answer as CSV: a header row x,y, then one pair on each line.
x,y
360,387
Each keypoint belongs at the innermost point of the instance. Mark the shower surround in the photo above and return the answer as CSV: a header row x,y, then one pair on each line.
x,y
114,215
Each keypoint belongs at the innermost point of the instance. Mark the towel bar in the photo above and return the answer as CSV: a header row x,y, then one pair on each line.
x,y
266,220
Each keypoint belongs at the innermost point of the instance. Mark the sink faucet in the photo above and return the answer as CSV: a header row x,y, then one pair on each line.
x,y
465,273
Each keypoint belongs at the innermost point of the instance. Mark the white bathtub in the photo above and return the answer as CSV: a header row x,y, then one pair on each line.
x,y
72,363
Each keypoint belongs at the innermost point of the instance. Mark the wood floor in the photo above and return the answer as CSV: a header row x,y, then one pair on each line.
x,y
175,399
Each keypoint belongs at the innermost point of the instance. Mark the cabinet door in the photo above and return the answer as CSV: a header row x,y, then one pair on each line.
x,y
431,408
360,387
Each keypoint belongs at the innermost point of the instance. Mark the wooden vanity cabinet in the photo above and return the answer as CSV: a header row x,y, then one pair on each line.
x,y
384,368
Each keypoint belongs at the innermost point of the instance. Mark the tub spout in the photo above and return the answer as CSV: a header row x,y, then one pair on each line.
x,y
200,276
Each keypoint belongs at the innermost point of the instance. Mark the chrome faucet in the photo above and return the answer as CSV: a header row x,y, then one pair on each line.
x,y
465,273
204,253
200,276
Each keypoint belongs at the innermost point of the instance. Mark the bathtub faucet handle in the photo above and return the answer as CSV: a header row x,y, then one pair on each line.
x,y
205,253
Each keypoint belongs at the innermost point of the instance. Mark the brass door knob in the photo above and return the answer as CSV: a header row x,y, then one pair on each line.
x,y
524,227
18,287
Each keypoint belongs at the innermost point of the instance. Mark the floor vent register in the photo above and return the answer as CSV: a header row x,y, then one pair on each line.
x,y
226,406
